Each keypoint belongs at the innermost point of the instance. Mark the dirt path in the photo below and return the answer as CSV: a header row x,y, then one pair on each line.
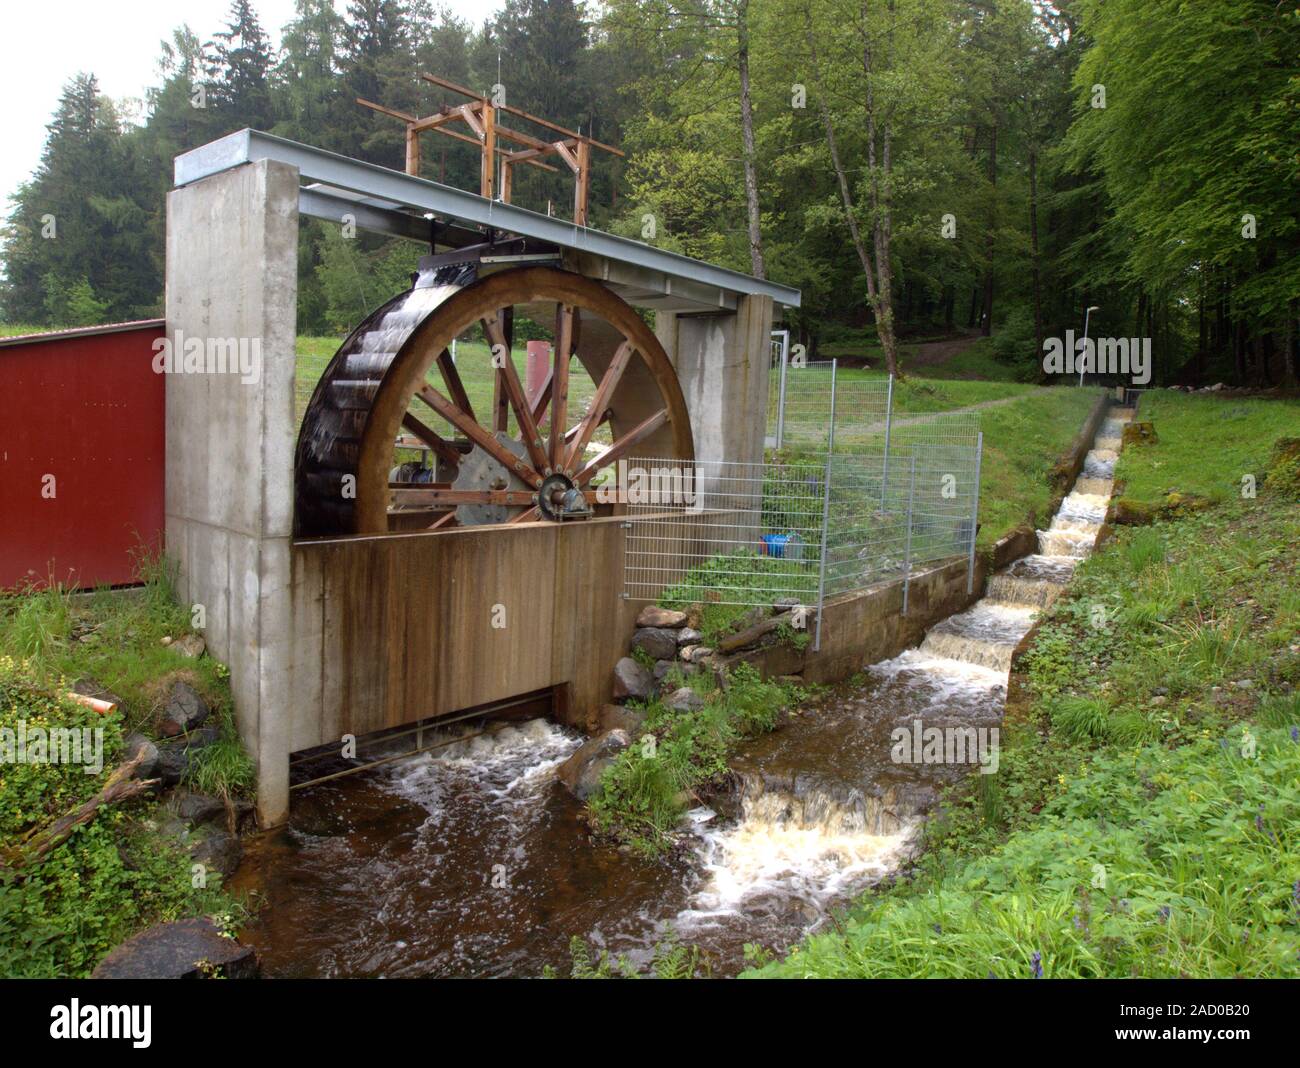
x,y
921,417
936,353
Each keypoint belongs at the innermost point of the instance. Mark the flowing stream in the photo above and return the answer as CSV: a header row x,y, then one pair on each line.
x,y
472,860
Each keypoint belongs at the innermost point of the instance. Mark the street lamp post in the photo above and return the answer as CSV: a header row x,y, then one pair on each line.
x,y
1084,354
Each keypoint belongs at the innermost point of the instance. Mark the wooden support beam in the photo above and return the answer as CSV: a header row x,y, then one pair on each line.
x,y
445,84
583,185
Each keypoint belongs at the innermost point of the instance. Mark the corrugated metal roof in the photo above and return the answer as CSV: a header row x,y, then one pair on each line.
x,y
82,331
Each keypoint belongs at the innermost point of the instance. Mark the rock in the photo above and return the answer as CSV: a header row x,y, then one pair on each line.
x,y
702,652
658,642
192,645
684,699
195,807
174,756
1132,513
185,949
135,742
669,673
783,604
185,711
1139,434
685,652
1245,684
632,681
1160,691
582,771
654,616
165,640
689,636
1159,699
218,851
622,718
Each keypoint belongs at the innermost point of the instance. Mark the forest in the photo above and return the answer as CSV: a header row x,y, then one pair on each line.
x,y
918,168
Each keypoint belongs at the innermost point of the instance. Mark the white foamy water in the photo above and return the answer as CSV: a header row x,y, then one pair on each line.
x,y
512,763
775,851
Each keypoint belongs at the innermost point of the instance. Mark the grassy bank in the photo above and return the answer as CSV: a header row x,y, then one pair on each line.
x,y
60,913
650,786
1142,819
1022,443
1207,446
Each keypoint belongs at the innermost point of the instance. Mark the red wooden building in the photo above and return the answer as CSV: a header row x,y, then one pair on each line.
x,y
81,454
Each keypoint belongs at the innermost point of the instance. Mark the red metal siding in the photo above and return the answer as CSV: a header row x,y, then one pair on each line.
x,y
87,409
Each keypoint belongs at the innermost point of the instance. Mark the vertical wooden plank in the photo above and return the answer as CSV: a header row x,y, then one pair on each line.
x,y
412,151
582,184
488,171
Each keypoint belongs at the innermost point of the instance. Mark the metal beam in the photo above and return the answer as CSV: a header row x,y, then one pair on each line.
x,y
380,184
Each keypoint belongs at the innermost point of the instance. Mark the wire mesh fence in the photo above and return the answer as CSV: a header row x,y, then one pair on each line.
x,y
815,395
857,497
724,533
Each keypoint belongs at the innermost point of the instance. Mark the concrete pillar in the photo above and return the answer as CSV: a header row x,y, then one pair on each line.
x,y
232,285
722,364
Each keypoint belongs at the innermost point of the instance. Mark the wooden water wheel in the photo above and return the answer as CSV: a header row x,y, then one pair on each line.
x,y
495,454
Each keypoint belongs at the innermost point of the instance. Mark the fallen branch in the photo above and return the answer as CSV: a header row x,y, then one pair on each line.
x,y
120,786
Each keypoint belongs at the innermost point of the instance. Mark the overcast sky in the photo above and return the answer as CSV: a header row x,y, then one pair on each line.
x,y
46,43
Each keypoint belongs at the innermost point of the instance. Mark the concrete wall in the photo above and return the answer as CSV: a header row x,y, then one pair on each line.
x,y
722,365
232,252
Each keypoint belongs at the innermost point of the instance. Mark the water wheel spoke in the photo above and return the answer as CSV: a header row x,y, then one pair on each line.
x,y
498,329
440,445
481,437
621,447
565,320
508,374
455,387
448,519
599,408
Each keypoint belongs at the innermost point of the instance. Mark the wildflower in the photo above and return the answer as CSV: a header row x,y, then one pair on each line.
x,y
1037,961
1295,734
1164,912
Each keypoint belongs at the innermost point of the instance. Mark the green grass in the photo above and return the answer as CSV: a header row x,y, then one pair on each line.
x,y
644,793
1235,434
1142,818
115,638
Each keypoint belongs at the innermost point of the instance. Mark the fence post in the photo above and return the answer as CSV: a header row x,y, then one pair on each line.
x,y
974,514
884,463
780,404
826,512
907,551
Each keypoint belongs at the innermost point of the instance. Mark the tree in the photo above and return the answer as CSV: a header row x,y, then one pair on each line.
x,y
239,68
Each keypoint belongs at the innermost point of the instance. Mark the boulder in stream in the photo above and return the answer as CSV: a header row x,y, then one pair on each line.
x,y
582,771
185,949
